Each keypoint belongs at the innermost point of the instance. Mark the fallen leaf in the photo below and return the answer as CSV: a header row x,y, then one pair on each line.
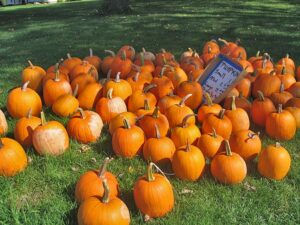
x,y
29,159
249,187
73,168
130,169
186,191
84,148
121,175
147,218
93,160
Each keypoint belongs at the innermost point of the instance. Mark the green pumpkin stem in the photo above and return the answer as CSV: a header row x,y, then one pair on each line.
x,y
208,99
29,113
30,64
126,124
228,149
123,55
43,118
91,52
103,167
157,132
110,52
109,93
82,113
261,96
105,198
182,101
25,85
221,113
155,112
143,50
148,87
257,53
279,110
1,143
150,176
185,119
233,105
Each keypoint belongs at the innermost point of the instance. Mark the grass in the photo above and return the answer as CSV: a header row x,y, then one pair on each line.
x,y
44,192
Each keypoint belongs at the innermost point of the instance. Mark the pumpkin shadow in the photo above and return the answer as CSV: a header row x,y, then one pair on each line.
x,y
127,197
252,170
104,144
71,216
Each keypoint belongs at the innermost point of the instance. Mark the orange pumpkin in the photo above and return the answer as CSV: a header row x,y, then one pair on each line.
x,y
296,113
118,121
212,45
165,102
52,74
232,49
228,167
188,163
121,64
280,97
129,51
90,184
164,86
240,102
137,82
147,55
153,194
3,123
176,75
58,66
294,89
20,100
207,108
35,75
293,102
82,80
146,110
244,87
107,61
70,62
90,95
84,67
24,129
13,158
164,58
267,84
287,61
50,138
286,78
274,162
94,60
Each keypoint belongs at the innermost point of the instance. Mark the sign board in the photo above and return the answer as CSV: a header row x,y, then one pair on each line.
x,y
220,76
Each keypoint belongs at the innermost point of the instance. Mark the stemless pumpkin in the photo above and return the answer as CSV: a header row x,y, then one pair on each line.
x,y
105,211
274,162
50,138
228,167
207,108
85,126
35,75
3,123
90,95
153,194
21,100
13,158
24,129
295,89
188,162
91,183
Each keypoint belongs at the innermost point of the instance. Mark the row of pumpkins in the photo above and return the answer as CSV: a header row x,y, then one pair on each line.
x,y
148,101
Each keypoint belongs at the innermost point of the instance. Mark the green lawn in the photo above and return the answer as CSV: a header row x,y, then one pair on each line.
x,y
44,192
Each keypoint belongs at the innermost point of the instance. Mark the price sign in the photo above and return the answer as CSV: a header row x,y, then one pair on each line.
x,y
220,76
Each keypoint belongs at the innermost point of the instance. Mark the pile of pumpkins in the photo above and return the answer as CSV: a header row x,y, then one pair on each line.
x,y
153,106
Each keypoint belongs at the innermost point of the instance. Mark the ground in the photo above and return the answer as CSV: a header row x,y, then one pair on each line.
x,y
44,192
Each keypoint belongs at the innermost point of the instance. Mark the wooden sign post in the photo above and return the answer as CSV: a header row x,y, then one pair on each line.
x,y
220,76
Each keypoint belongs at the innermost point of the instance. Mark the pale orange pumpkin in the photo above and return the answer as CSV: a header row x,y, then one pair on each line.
x,y
3,123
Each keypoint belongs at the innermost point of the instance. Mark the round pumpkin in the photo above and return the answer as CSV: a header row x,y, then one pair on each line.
x,y
35,75
207,108
121,64
3,123
70,62
94,60
90,95
296,113
118,121
165,102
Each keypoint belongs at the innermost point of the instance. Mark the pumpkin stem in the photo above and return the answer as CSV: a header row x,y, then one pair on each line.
x,y
25,85
182,101
143,50
208,99
56,68
43,118
136,67
277,145
164,59
287,55
29,113
57,74
188,146
228,149
1,143
30,64
185,119
91,52
279,108
233,105
123,55
163,50
75,92
214,133
126,124
221,113
281,87
90,71
109,93
157,132
103,167
117,79
223,41
150,176
261,96
155,112
110,52
69,56
105,198
163,69
283,71
252,135
146,104
142,59
136,77
148,87
209,49
82,113
257,53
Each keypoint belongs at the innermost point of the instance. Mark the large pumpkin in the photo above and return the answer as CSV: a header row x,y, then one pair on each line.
x,y
13,158
3,123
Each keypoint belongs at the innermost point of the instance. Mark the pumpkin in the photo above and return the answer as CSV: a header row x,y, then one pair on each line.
x,y
24,129
164,86
274,162
244,87
210,144
81,68
137,82
65,105
147,55
94,60
298,73
163,58
281,125
121,87
58,66
287,61
118,121
82,80
90,184
121,64
238,117
207,108
50,138
261,108
267,84
109,107
137,99
232,49
147,123
293,102
90,95
192,66
129,51
13,158
146,110
232,92
55,88
20,100
184,133
103,211
35,75
220,123
188,162
240,102
228,167
165,102
286,78
187,53
3,123
263,63
142,65
158,149
127,140
208,56
191,87
176,75
280,97
51,75
107,61
296,113
153,194
294,89
85,126
212,45
246,143
70,62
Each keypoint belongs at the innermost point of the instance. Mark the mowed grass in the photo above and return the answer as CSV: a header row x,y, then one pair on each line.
x,y
44,192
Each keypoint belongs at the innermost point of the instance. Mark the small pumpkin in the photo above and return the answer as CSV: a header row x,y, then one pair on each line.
x,y
35,75
128,140
70,62
176,75
153,194
287,61
58,66
129,51
83,68
188,162
212,45
118,121
137,82
52,74
222,166
164,86
281,125
286,78
274,162
240,102
207,108
121,64
143,65
147,55
163,58
280,97
20,100
165,102
107,61
293,102
94,60
13,158
3,123
267,84
296,113
50,138
294,89
82,80
244,87
105,211
24,129
85,126
90,95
